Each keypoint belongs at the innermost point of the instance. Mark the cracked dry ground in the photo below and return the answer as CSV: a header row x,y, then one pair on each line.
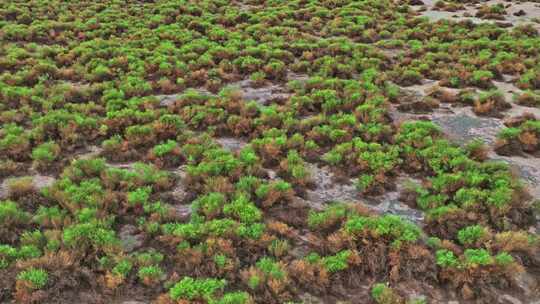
x,y
302,151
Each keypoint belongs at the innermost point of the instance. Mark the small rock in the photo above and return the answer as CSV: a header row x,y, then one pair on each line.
x,y
179,193
261,95
526,283
87,297
124,166
41,181
90,152
296,76
310,299
508,299
467,293
130,239
182,212
328,190
271,174
167,100
3,190
536,256
416,107
520,13
231,143
180,172
504,24
300,252
416,2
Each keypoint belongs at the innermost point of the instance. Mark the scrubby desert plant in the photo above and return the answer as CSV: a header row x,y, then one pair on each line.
x,y
383,294
490,103
150,275
20,186
190,289
45,154
29,281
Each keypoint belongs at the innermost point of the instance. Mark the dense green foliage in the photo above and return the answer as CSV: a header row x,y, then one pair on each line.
x,y
129,106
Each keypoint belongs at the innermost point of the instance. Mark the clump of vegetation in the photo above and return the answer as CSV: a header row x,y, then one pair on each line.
x,y
449,6
490,103
522,135
528,98
459,270
45,154
20,186
383,294
196,289
268,278
195,149
29,281
495,11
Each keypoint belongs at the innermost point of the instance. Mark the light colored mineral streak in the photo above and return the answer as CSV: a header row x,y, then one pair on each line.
x,y
262,95
509,89
231,143
531,9
167,100
328,190
460,123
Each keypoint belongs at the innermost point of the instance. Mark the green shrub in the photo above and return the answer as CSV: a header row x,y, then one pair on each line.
x,y
243,210
504,259
254,281
433,242
365,181
7,255
271,268
338,262
149,258
150,273
89,193
482,78
165,148
140,196
235,298
28,252
446,258
46,152
81,236
383,294
251,231
328,217
123,268
509,133
279,247
11,214
36,278
478,257
210,204
391,226
470,235
220,260
196,289
50,216
34,238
